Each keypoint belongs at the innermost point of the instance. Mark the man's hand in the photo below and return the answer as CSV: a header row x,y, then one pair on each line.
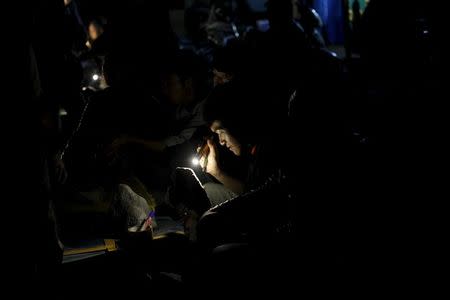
x,y
209,163
211,166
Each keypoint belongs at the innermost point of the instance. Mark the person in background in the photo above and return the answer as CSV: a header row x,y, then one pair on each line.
x,y
95,30
184,86
75,27
229,62
312,24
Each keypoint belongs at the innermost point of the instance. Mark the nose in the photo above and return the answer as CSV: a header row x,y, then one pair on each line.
x,y
221,139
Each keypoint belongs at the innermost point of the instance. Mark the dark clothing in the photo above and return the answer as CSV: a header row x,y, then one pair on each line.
x,y
264,161
262,212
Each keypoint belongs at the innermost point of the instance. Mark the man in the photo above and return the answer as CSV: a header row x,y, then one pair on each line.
x,y
185,85
154,153
229,63
238,115
245,132
250,236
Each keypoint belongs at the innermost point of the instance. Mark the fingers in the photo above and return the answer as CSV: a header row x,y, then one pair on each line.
x,y
210,143
212,147
202,162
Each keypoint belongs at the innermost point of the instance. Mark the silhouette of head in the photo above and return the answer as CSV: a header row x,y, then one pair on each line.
x,y
279,12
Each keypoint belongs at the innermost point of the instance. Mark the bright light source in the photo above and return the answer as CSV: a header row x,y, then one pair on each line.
x,y
95,77
195,162
84,88
62,112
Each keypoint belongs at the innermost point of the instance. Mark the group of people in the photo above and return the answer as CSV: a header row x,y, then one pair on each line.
x,y
287,138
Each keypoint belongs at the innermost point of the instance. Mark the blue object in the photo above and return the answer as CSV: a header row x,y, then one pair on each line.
x,y
257,5
332,14
263,25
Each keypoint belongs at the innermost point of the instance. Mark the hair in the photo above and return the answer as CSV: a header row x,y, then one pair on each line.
x,y
234,105
99,22
281,9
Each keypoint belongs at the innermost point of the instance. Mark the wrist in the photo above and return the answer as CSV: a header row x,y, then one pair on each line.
x,y
217,173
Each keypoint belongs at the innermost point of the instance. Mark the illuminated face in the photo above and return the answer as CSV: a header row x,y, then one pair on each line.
x,y
226,139
94,31
221,77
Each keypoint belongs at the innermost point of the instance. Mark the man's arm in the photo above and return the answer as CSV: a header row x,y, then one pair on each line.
x,y
114,147
153,145
229,182
213,168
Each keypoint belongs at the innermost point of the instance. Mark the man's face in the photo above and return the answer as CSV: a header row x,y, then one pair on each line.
x,y
221,77
173,89
94,31
226,139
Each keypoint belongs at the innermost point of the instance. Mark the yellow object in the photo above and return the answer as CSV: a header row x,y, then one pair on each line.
x,y
163,235
108,245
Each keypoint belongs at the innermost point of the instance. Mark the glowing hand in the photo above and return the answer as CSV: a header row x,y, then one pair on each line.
x,y
209,163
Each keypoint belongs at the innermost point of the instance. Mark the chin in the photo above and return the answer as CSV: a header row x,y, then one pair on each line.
x,y
236,152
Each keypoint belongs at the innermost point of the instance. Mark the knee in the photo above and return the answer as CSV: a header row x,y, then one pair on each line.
x,y
211,229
